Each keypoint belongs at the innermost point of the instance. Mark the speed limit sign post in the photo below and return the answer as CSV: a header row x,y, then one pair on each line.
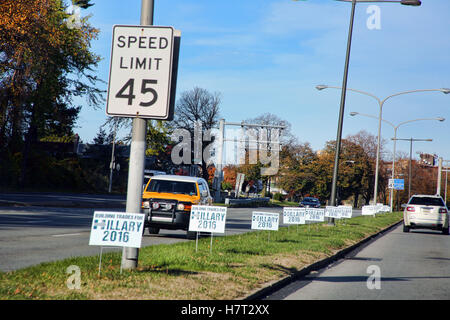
x,y
142,78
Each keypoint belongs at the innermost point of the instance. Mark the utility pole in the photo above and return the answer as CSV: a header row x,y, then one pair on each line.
x,y
341,114
438,191
410,160
219,169
112,164
137,157
222,140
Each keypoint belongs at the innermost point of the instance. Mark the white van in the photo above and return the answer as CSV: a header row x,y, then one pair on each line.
x,y
426,212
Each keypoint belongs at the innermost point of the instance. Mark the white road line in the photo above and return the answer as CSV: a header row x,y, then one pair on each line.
x,y
66,234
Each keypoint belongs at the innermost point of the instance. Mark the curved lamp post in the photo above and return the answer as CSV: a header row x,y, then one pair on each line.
x,y
380,104
395,139
344,89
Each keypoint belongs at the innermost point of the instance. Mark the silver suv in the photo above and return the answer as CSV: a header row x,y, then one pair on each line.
x,y
426,212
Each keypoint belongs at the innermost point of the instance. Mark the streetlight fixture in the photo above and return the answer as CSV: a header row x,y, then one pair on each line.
x,y
344,89
381,104
404,2
395,140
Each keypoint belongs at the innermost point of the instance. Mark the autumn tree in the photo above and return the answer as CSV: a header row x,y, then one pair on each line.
x,y
296,175
44,63
355,171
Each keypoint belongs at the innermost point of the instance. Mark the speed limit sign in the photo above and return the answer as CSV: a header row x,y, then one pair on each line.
x,y
142,72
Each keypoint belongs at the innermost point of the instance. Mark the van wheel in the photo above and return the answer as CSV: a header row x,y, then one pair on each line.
x,y
445,230
191,235
405,228
153,230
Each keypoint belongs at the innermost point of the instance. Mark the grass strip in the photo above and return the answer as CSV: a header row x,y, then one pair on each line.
x,y
237,266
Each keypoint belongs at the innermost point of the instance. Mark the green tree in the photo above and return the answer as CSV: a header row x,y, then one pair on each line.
x,y
296,175
44,63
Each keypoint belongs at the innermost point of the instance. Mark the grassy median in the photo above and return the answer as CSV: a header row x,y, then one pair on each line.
x,y
237,266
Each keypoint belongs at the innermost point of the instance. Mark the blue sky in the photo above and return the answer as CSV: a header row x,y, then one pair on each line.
x,y
268,56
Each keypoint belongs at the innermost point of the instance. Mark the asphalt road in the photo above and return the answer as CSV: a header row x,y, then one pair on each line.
x,y
51,199
41,227
397,266
32,234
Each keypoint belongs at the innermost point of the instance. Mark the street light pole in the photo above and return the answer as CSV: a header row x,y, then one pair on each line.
x,y
341,111
380,105
410,160
395,127
344,89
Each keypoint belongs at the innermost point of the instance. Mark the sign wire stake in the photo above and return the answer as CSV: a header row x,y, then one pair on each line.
x,y
100,263
210,247
196,242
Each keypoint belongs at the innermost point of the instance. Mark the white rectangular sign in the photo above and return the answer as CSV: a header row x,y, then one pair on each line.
x,y
293,215
118,229
208,219
265,221
338,212
346,211
140,72
313,214
332,212
369,210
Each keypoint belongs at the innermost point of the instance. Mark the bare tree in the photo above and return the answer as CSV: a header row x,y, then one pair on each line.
x,y
194,108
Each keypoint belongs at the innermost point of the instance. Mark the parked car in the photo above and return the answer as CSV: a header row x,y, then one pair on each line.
x,y
167,202
310,202
426,212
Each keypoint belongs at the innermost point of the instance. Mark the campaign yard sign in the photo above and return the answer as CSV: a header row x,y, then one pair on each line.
x,y
208,219
293,215
314,214
369,210
338,212
118,229
332,212
346,211
265,221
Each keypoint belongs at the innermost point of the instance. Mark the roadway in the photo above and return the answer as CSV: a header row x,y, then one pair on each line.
x,y
31,233
397,266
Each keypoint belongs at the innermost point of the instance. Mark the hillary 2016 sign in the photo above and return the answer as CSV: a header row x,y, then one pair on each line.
x,y
338,212
208,219
294,215
313,214
265,221
118,229
140,79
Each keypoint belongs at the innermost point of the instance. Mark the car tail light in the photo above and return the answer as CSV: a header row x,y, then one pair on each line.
x,y
410,209
443,210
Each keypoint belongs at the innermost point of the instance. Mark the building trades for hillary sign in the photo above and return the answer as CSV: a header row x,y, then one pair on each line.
x,y
118,229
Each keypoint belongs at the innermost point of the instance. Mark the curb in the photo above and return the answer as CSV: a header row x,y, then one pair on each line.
x,y
279,284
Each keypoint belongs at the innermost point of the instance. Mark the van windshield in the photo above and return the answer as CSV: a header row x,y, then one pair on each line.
x,y
167,186
427,201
